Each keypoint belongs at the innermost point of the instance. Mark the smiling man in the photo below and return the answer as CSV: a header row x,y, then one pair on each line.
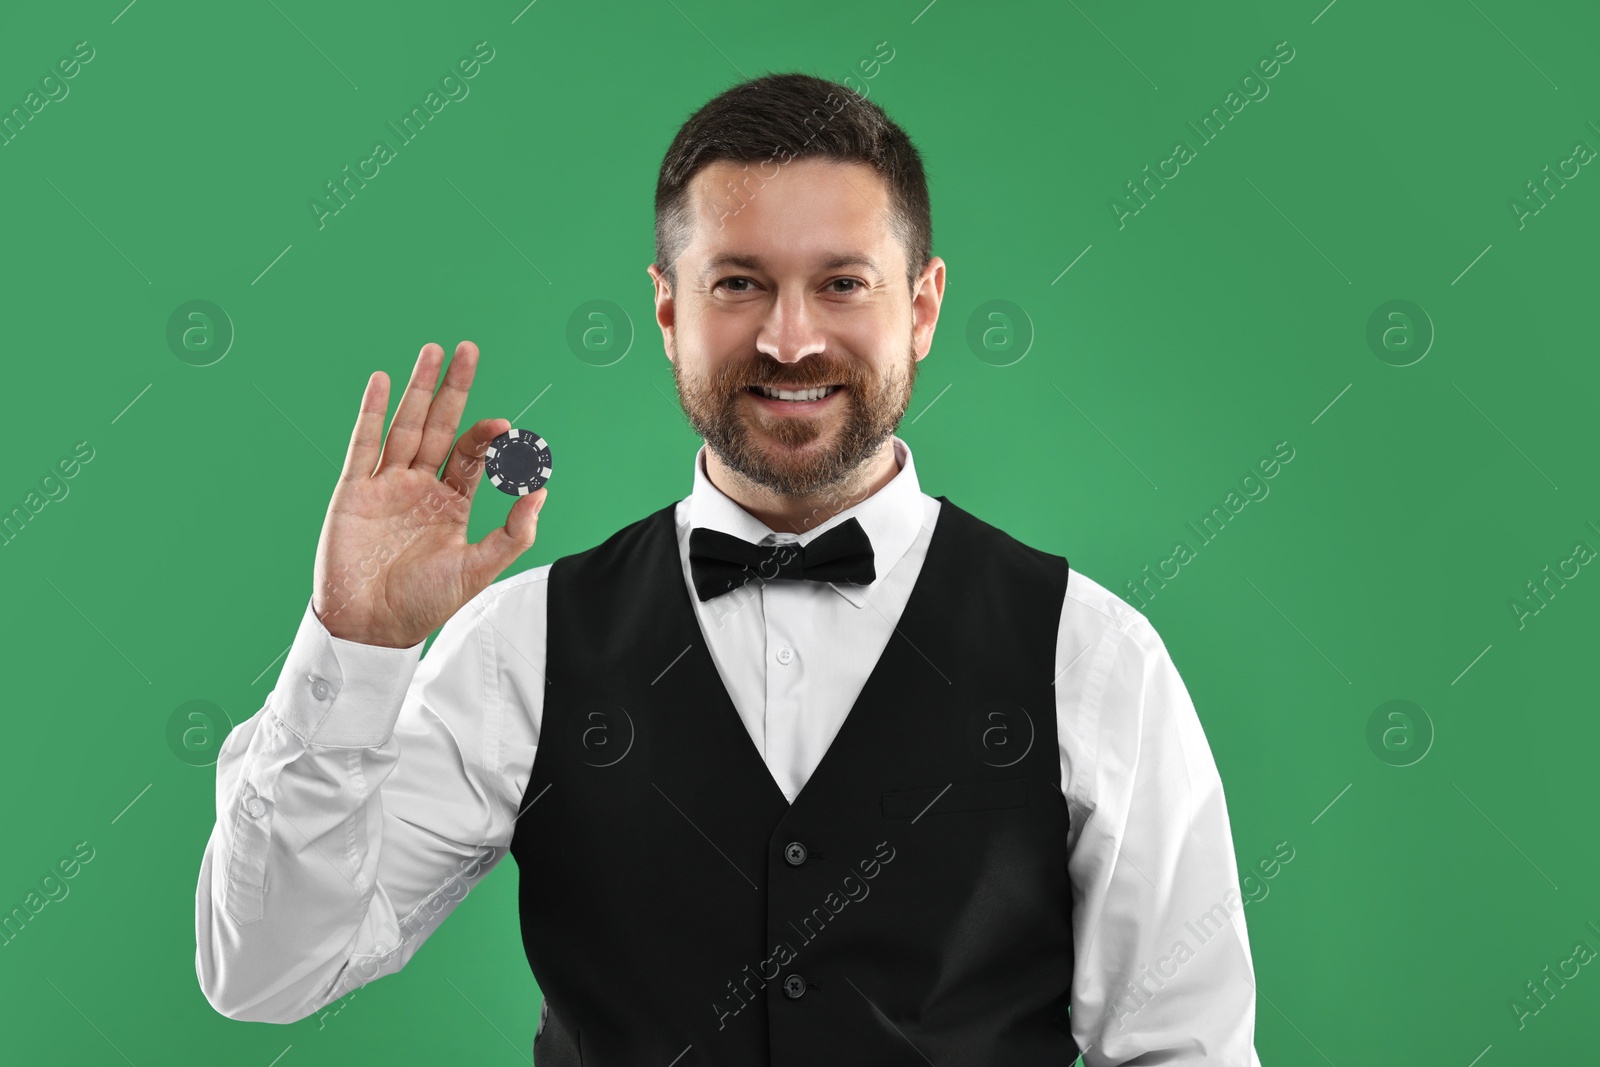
x,y
805,767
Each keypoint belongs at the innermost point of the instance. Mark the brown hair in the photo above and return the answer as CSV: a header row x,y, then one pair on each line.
x,y
771,119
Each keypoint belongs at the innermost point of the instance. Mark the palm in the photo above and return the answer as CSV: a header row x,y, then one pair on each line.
x,y
393,562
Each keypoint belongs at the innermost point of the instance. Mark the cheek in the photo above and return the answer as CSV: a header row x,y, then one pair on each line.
x,y
727,336
717,336
883,339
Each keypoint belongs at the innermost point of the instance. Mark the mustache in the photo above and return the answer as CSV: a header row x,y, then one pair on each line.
x,y
824,375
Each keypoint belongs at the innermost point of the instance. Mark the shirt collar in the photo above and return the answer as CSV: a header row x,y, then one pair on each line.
x,y
891,518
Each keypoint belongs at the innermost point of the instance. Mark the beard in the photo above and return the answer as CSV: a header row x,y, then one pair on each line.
x,y
796,455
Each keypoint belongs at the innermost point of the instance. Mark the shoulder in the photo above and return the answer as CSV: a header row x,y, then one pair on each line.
x,y
1093,616
1094,604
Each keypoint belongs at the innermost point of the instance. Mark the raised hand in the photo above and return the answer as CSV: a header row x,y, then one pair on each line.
x,y
393,562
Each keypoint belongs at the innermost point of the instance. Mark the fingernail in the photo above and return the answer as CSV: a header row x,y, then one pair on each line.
x,y
539,507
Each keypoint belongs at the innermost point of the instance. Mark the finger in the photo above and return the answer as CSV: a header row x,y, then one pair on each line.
x,y
406,429
502,545
367,437
465,469
444,414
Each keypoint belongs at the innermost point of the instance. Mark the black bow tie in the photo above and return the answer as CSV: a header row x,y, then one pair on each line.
x,y
720,562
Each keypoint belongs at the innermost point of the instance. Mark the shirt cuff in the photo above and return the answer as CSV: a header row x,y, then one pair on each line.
x,y
342,694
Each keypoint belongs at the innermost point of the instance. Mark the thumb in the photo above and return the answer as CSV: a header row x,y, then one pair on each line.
x,y
502,545
522,524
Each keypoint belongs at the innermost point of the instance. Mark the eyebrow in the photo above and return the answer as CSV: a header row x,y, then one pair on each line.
x,y
833,262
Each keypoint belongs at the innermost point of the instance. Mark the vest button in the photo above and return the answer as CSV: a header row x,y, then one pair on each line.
x,y
795,853
794,986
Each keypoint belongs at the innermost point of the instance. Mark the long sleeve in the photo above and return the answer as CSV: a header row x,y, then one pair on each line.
x,y
1163,971
354,811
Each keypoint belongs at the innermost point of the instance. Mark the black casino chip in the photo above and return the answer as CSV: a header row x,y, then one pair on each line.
x,y
518,462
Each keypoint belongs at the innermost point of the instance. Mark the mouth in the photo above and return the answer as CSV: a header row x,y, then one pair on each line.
x,y
797,400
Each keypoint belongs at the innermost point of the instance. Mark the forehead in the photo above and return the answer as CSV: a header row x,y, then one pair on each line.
x,y
803,209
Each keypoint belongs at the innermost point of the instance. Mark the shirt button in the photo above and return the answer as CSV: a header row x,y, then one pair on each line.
x,y
320,689
794,987
256,807
785,654
795,853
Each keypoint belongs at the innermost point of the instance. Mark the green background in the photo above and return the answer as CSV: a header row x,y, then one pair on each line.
x,y
1231,313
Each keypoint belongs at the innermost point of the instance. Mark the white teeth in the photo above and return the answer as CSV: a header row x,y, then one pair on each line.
x,y
797,394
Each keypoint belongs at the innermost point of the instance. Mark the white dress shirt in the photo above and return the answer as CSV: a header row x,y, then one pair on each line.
x,y
376,786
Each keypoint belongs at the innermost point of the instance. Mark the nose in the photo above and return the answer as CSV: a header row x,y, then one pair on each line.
x,y
790,331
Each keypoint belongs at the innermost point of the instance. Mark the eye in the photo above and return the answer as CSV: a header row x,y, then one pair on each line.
x,y
741,284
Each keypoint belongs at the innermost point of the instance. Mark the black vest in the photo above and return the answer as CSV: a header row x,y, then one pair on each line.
x,y
911,905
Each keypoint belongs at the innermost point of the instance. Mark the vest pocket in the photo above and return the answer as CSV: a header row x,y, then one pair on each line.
x,y
968,796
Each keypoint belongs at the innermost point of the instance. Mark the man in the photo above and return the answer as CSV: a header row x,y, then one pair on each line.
x,y
807,767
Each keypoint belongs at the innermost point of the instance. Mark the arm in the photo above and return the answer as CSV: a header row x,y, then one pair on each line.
x,y
326,868
349,866
1163,969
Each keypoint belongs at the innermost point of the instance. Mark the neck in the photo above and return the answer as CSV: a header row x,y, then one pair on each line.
x,y
798,514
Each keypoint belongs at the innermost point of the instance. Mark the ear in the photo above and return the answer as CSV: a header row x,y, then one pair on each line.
x,y
665,311
925,301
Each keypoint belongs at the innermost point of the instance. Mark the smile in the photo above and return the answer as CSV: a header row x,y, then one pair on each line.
x,y
799,397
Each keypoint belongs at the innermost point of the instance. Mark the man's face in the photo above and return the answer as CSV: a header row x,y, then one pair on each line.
x,y
795,281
